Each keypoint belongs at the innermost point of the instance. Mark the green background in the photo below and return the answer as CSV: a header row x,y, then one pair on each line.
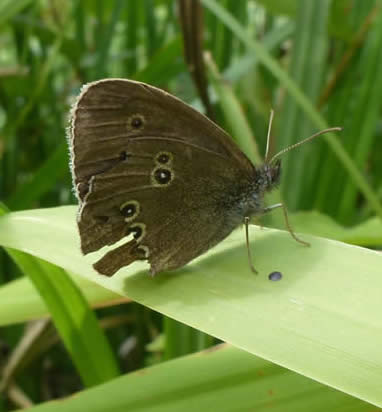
x,y
309,342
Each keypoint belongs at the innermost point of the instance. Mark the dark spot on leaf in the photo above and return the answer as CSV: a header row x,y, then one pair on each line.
x,y
275,276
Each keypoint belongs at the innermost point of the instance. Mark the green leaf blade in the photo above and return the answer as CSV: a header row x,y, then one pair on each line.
x,y
322,319
225,379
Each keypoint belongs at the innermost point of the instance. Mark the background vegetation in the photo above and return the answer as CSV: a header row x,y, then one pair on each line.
x,y
317,63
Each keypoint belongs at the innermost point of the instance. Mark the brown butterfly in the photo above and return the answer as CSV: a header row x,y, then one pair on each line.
x,y
148,165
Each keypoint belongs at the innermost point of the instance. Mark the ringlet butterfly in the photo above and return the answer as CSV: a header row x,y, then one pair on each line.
x,y
148,165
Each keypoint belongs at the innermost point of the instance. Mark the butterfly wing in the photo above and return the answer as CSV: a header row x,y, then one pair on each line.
x,y
148,165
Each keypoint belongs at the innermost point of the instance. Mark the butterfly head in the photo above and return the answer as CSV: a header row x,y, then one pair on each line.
x,y
269,175
266,177
274,173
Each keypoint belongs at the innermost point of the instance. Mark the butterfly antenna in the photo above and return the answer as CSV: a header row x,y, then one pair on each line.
x,y
269,136
293,146
246,222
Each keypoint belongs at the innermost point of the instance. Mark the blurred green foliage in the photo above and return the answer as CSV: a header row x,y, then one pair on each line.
x,y
332,51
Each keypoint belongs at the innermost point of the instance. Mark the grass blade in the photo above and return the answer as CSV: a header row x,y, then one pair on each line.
x,y
225,380
328,302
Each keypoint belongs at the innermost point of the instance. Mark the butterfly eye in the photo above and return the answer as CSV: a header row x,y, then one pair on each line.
x,y
136,121
163,157
130,210
162,176
138,231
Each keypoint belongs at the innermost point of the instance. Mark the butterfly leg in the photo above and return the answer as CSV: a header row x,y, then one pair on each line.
x,y
289,227
246,222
